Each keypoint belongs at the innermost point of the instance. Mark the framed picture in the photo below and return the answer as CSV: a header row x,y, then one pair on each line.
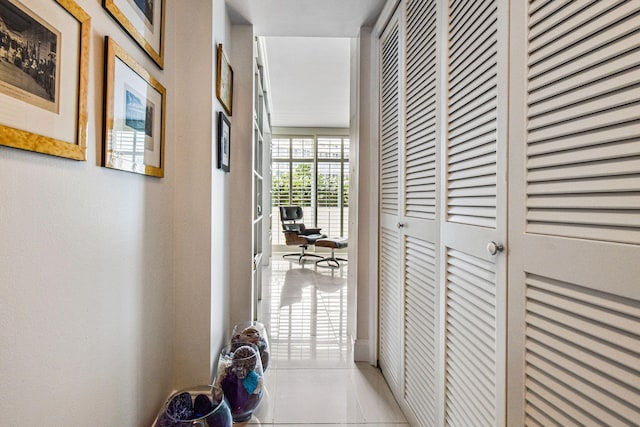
x,y
144,21
134,112
44,43
224,81
224,142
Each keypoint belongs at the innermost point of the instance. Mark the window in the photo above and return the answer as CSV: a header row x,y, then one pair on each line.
x,y
311,172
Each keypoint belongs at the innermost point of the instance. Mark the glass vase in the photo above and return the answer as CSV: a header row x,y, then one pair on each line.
x,y
199,406
252,333
241,378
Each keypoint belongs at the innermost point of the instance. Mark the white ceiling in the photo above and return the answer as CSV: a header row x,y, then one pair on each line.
x,y
305,18
308,54
309,81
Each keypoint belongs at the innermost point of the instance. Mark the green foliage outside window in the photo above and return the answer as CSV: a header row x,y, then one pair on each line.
x,y
301,188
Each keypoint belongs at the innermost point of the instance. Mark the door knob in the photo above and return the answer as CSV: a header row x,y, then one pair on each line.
x,y
494,248
400,225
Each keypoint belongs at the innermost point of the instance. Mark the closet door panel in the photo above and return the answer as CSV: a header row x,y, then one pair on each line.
x,y
420,216
391,307
574,297
474,213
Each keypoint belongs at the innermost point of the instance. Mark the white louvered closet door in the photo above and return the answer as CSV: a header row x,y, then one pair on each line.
x,y
390,285
474,210
574,288
419,217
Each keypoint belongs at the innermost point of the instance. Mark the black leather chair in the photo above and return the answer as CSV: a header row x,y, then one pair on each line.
x,y
296,233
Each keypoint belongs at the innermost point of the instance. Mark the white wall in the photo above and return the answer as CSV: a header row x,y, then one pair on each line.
x,y
201,209
241,175
220,207
114,287
86,272
364,349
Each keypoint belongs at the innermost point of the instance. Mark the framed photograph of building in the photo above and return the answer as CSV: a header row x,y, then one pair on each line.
x,y
133,139
224,81
44,43
144,21
224,142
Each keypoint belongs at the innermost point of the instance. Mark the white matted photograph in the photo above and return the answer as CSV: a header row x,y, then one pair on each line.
x,y
224,142
44,66
143,20
134,116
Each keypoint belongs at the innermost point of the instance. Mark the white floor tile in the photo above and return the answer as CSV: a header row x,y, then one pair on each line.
x,y
312,379
382,424
375,398
316,396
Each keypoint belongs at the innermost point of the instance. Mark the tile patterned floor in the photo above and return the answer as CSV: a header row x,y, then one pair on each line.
x,y
312,379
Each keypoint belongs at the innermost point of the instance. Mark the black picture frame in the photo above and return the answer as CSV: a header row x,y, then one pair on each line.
x,y
224,142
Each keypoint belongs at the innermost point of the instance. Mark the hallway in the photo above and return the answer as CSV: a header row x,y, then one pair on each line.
x,y
312,379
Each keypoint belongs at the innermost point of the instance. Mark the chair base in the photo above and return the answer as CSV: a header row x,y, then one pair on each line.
x,y
300,255
332,261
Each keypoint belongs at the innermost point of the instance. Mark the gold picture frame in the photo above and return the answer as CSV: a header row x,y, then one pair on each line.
x,y
144,21
39,113
134,115
224,81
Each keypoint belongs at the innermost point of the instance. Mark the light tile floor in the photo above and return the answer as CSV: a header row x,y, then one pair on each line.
x,y
312,379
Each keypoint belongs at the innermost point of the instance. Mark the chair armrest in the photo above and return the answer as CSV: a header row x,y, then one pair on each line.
x,y
308,231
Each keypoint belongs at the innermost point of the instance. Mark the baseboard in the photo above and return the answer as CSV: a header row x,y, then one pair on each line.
x,y
361,351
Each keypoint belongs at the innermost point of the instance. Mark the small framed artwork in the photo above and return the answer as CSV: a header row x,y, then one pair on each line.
x,y
144,21
224,142
134,115
224,81
44,43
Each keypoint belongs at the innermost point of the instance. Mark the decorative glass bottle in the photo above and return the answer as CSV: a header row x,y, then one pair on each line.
x,y
241,378
200,406
252,333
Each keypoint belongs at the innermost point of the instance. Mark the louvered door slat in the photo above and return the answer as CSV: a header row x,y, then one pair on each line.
x,y
611,185
471,338
469,401
547,10
577,21
618,150
614,91
472,120
573,109
614,74
557,35
389,117
584,128
469,378
548,72
470,22
583,349
628,201
390,304
548,360
541,412
479,80
605,118
420,329
615,374
618,165
571,336
420,95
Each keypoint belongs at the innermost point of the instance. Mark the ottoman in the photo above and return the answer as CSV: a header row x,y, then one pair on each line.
x,y
333,243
